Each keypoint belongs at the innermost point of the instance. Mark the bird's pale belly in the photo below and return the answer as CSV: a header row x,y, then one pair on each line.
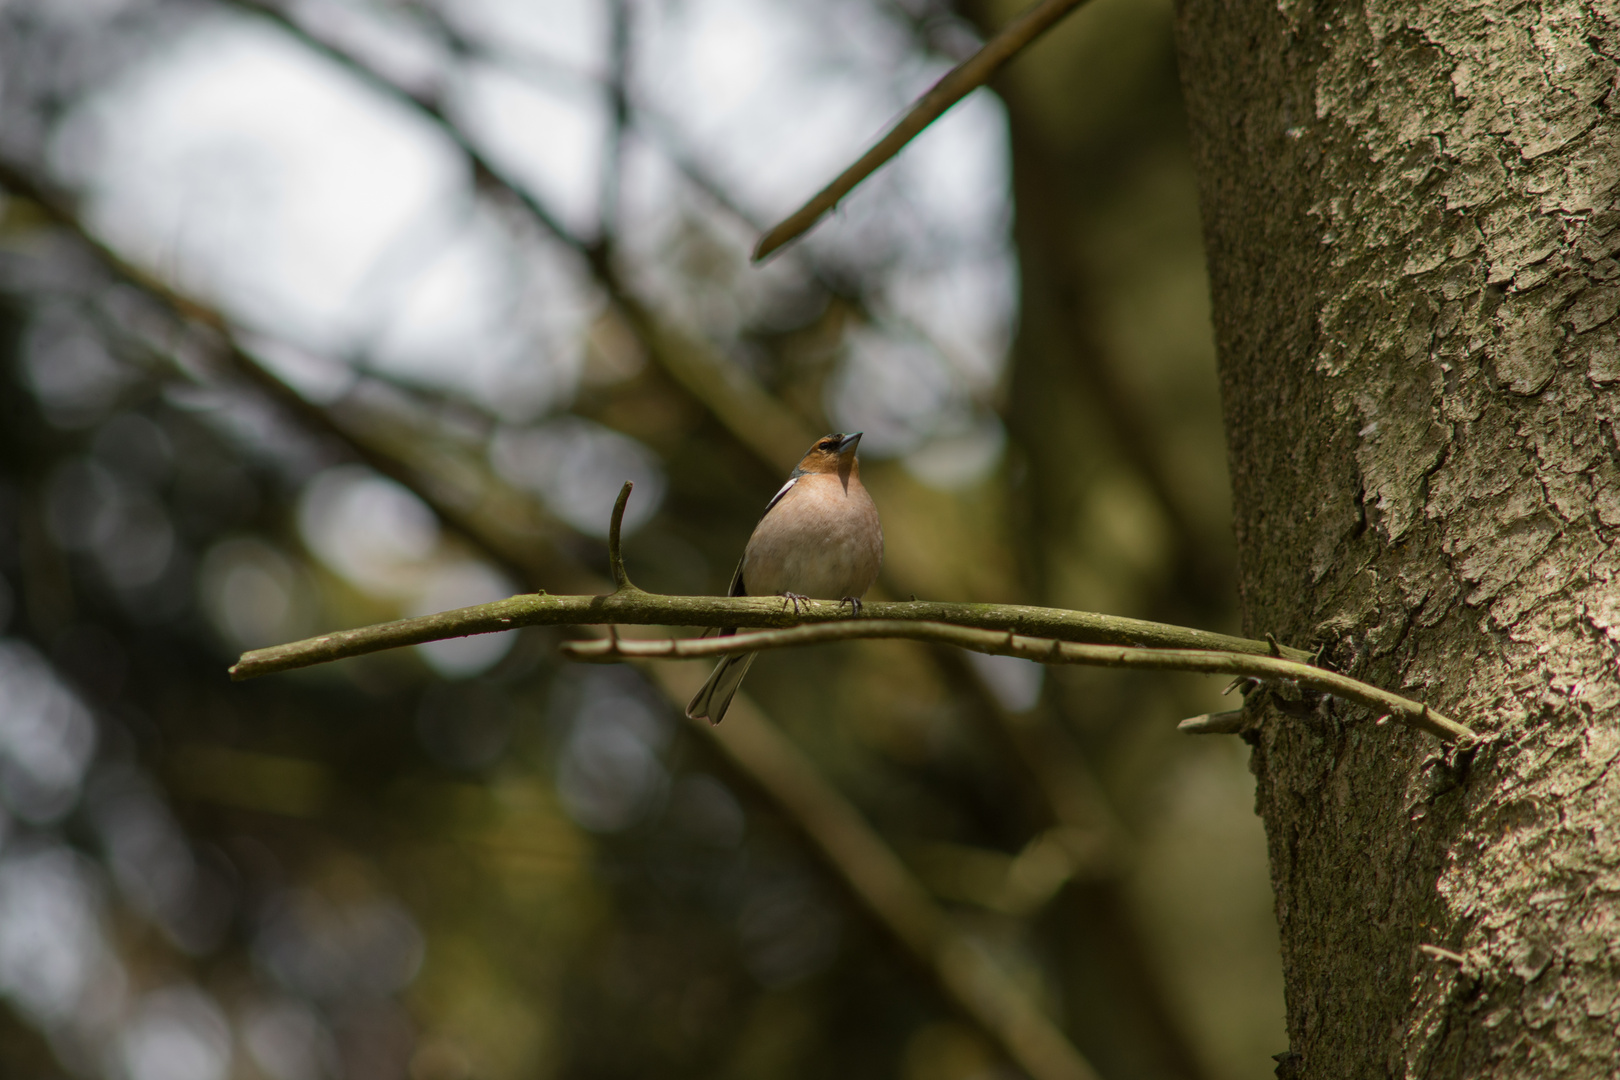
x,y
827,555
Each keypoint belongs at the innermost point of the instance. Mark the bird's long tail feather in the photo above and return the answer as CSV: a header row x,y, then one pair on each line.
x,y
715,696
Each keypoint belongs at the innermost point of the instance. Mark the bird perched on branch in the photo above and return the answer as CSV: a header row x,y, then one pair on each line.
x,y
819,539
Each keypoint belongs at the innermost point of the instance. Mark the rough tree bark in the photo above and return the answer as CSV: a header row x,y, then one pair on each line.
x,y
1412,228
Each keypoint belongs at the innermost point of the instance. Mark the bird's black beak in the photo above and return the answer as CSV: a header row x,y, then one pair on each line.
x,y
846,445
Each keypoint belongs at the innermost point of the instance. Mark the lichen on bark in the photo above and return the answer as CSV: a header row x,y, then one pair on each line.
x,y
1412,228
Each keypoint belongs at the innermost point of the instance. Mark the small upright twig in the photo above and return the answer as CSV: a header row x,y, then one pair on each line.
x,y
621,580
962,80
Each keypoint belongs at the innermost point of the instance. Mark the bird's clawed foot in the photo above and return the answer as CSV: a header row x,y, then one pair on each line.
x,y
795,599
854,603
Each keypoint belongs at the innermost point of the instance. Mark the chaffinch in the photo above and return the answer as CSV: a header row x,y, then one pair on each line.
x,y
819,538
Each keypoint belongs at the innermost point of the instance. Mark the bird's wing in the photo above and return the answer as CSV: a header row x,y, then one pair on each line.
x,y
778,496
737,588
737,578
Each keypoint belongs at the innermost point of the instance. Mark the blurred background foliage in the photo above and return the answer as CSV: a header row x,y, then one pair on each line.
x,y
322,314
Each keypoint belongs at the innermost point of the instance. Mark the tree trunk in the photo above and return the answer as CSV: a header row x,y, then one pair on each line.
x,y
1411,227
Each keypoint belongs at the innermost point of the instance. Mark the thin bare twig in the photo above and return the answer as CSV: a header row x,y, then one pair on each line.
x,y
884,885
621,579
1435,952
962,80
1414,714
769,429
374,449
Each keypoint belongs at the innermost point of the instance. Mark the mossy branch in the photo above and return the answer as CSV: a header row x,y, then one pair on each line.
x,y
630,606
962,80
1045,635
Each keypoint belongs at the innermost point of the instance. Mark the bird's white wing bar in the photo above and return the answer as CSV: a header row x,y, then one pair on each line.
x,y
778,496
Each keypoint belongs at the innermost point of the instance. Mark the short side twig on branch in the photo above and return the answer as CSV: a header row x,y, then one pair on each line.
x,y
1221,723
962,80
621,578
881,881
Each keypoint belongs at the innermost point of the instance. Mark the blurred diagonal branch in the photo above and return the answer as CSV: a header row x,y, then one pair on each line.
x,y
773,432
649,123
962,80
613,152
876,875
1048,753
757,419
399,456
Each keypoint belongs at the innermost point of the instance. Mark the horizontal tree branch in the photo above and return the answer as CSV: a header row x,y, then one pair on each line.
x,y
1414,714
630,606
633,607
962,80
1069,637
